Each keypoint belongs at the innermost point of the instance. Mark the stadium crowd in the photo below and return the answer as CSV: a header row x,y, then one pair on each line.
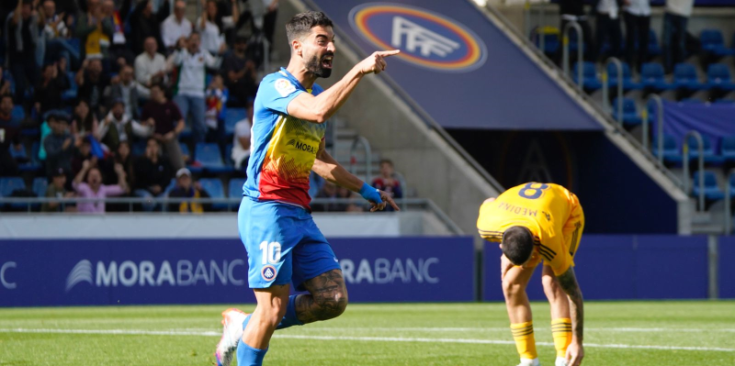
x,y
106,98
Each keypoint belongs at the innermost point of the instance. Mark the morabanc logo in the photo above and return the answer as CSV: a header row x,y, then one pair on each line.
x,y
301,146
425,38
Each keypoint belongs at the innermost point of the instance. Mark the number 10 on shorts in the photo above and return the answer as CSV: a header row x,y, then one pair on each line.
x,y
270,252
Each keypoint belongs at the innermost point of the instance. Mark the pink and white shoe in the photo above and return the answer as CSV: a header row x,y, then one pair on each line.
x,y
232,330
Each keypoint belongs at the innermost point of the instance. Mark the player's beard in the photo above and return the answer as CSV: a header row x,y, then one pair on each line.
x,y
314,65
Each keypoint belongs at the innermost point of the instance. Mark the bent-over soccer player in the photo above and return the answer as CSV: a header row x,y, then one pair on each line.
x,y
282,242
535,222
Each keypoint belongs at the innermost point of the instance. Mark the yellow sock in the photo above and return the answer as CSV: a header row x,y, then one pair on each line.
x,y
561,330
525,341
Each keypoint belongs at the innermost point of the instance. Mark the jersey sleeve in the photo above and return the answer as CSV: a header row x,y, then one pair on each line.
x,y
277,93
487,225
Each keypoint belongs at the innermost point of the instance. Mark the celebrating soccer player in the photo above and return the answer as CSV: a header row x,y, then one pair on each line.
x,y
535,222
282,242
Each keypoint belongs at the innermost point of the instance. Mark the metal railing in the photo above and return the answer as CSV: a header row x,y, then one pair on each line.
x,y
700,150
361,141
605,93
580,48
31,204
659,126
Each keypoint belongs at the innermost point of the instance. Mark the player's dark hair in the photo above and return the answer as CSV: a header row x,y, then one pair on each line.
x,y
301,24
517,244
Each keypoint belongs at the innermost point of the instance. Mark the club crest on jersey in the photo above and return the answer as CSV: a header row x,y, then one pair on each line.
x,y
425,38
284,87
268,273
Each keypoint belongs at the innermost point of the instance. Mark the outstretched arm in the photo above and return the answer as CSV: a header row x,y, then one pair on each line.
x,y
319,108
328,168
568,282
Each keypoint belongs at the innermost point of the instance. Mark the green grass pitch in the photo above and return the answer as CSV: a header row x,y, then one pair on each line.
x,y
617,334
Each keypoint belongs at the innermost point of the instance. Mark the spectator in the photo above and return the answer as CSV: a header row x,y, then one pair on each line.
x,y
269,19
153,174
387,182
608,26
59,146
241,144
192,62
9,131
573,11
216,98
144,23
675,32
122,157
94,31
118,50
57,189
185,189
119,127
168,123
82,153
212,24
5,82
84,122
55,34
175,27
150,68
637,26
93,187
21,34
329,191
240,74
92,83
6,110
48,92
123,87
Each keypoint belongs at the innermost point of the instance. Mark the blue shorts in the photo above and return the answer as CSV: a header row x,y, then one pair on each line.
x,y
283,244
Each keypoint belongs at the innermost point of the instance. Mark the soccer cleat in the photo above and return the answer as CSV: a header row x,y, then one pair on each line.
x,y
528,362
560,361
232,330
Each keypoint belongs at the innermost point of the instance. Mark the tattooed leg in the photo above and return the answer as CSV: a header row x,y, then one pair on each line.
x,y
327,298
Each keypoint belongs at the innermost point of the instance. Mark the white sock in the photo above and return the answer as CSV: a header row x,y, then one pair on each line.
x,y
529,362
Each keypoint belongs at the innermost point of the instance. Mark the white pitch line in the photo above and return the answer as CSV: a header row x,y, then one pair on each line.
x,y
350,338
493,329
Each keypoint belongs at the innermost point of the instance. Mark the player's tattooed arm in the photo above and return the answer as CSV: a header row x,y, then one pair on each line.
x,y
568,282
327,298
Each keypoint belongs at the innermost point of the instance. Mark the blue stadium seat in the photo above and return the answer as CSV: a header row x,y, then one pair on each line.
x,y
727,148
208,155
39,186
630,112
234,189
573,44
71,93
551,39
590,81
232,116
628,83
713,43
17,154
34,165
718,77
10,184
654,49
652,77
685,78
18,114
670,152
214,188
708,151
712,191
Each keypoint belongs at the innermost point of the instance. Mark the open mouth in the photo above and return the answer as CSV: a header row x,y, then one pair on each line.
x,y
327,61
